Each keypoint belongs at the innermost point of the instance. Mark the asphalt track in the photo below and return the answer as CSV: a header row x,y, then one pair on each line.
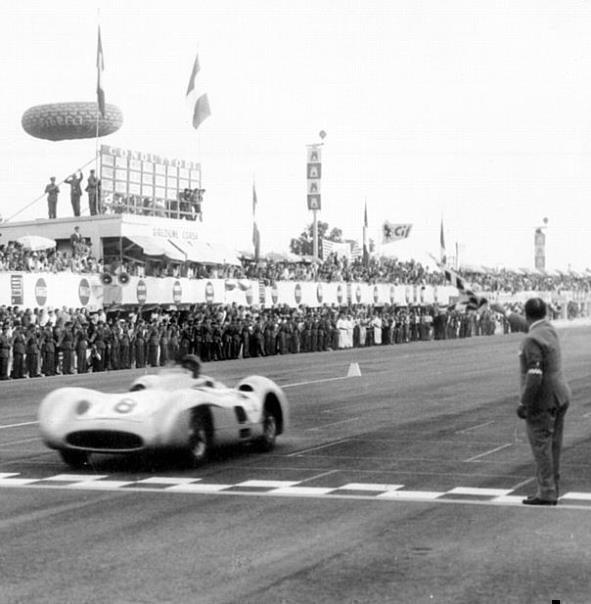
x,y
401,485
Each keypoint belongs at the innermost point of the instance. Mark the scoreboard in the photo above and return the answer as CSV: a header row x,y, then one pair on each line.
x,y
126,173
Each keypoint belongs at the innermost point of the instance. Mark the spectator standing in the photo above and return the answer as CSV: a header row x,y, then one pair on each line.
x,y
75,191
4,352
92,190
52,191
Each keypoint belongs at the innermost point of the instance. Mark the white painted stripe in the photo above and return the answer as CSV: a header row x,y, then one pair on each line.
x,y
5,426
489,452
167,480
317,448
475,427
20,441
99,485
16,482
478,491
342,421
333,379
512,499
577,495
76,477
301,491
412,495
197,488
368,486
274,484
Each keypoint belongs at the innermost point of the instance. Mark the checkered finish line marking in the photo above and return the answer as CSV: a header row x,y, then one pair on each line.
x,y
287,488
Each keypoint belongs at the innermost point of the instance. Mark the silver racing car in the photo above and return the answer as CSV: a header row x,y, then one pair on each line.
x,y
172,410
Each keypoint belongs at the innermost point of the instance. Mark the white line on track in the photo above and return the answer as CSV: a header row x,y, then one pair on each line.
x,y
18,425
334,379
18,442
342,421
489,452
301,451
475,427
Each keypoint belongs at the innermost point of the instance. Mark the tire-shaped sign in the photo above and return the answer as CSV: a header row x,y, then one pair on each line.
x,y
376,294
177,292
340,294
84,292
392,294
319,293
64,121
41,292
358,293
209,292
142,292
274,293
298,293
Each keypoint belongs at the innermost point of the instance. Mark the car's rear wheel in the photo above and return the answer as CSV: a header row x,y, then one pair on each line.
x,y
267,441
75,459
200,439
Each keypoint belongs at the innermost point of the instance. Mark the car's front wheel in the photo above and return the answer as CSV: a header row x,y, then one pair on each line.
x,y
200,440
75,459
267,440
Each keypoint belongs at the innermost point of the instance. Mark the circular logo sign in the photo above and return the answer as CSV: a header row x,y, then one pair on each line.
x,y
249,295
177,292
209,293
340,294
349,292
319,294
358,293
422,293
84,292
298,293
376,294
392,294
41,292
274,293
415,293
407,293
142,292
435,299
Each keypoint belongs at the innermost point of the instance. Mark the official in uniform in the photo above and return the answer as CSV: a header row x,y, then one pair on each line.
x,y
545,397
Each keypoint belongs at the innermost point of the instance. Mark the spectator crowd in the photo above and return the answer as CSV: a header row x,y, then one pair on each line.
x,y
49,342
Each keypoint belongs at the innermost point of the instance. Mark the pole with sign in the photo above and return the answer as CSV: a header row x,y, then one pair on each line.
x,y
313,176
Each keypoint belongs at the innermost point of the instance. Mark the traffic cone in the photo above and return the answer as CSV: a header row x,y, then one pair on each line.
x,y
354,370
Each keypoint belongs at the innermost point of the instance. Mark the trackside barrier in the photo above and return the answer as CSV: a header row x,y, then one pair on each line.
x,y
32,290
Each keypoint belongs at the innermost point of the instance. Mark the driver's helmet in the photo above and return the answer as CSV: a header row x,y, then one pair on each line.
x,y
192,363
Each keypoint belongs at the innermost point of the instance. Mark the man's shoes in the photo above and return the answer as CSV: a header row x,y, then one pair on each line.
x,y
537,501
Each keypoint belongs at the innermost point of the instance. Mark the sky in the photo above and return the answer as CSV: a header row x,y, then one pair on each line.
x,y
474,113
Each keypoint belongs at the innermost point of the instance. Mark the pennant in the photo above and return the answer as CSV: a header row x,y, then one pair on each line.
x,y
442,245
100,67
197,97
471,299
365,243
256,236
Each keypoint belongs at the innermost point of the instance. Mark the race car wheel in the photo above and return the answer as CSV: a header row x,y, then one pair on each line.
x,y
75,459
199,438
267,440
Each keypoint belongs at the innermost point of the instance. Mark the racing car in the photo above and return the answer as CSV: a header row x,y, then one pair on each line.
x,y
172,410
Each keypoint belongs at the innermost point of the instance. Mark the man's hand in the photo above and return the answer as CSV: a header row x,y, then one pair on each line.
x,y
522,412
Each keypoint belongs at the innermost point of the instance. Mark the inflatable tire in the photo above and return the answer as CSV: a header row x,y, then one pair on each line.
x,y
63,121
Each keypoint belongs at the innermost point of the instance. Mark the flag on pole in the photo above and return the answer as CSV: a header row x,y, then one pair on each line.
x,y
442,245
365,243
471,299
256,236
100,67
197,97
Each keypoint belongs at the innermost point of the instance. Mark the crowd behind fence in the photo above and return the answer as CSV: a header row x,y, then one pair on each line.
x,y
42,342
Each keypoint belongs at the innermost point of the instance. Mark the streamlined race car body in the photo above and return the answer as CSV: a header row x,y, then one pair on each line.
x,y
171,410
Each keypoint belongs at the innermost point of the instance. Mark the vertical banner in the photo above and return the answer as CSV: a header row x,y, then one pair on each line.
x,y
313,174
540,249
17,293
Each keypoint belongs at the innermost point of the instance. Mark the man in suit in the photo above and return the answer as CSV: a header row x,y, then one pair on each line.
x,y
75,191
545,397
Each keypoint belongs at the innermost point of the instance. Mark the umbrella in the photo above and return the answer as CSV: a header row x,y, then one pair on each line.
x,y
36,242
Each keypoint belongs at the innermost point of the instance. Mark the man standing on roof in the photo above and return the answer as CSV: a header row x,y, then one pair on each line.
x,y
52,191
75,191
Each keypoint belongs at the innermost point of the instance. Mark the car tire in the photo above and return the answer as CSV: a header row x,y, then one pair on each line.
x,y
75,459
266,442
200,439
